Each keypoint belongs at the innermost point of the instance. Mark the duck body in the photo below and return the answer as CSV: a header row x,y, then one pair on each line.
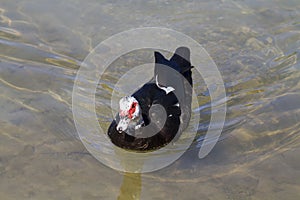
x,y
160,110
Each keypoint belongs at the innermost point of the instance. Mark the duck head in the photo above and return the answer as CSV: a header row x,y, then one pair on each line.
x,y
130,113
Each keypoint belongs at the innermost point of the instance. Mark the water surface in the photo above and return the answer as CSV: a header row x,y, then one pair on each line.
x,y
256,45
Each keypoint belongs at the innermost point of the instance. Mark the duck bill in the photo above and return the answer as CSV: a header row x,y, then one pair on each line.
x,y
123,124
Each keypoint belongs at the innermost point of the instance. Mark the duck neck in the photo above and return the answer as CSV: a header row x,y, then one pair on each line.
x,y
135,124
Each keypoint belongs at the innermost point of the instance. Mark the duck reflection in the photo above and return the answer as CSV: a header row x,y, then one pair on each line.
x,y
131,187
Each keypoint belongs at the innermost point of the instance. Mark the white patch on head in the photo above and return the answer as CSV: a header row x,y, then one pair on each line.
x,y
126,102
127,118
166,89
177,105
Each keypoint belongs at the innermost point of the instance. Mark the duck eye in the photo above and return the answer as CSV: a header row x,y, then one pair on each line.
x,y
133,105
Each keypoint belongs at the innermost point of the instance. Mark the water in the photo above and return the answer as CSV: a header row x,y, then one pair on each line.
x,y
256,47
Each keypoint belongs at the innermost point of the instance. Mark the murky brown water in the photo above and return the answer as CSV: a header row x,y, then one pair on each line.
x,y
256,45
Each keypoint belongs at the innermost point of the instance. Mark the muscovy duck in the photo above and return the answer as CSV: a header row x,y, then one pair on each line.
x,y
160,110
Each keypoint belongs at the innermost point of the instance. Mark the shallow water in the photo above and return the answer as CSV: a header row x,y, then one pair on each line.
x,y
256,46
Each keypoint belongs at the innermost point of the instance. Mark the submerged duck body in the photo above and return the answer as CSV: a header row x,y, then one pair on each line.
x,y
160,110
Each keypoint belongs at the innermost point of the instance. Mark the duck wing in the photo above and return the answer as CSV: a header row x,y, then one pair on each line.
x,y
167,76
170,74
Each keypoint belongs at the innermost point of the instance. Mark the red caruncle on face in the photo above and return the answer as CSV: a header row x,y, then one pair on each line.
x,y
132,110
